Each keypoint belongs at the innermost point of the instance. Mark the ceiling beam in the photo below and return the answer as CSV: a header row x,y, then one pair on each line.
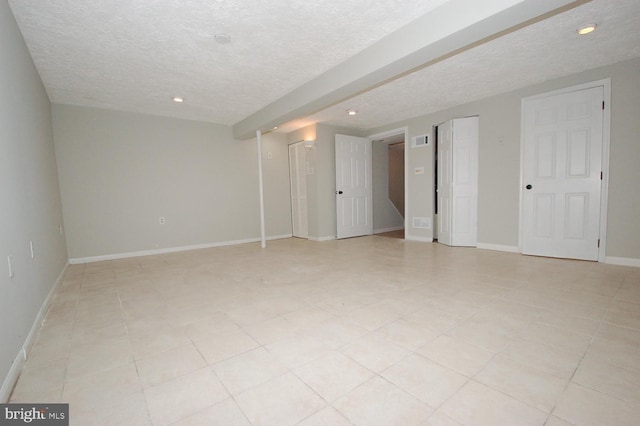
x,y
455,26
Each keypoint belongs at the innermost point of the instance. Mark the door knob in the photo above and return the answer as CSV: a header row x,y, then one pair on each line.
x,y
339,192
529,186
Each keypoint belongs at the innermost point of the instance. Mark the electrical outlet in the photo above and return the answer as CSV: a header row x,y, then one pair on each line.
x,y
60,230
161,220
269,155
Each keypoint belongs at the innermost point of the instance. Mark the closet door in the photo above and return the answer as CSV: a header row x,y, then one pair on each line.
x,y
298,178
444,183
354,190
458,182
562,174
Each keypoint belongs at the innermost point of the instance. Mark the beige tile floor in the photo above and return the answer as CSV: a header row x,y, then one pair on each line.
x,y
366,331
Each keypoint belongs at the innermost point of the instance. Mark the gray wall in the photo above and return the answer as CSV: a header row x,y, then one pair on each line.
x,y
499,156
119,172
277,195
29,194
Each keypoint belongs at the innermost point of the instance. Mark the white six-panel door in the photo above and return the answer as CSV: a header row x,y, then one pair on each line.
x,y
298,179
458,182
354,191
562,164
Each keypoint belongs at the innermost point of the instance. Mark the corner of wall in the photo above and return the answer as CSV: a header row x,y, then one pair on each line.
x,y
18,363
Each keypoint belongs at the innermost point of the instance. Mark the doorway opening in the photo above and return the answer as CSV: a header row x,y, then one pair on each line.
x,y
389,183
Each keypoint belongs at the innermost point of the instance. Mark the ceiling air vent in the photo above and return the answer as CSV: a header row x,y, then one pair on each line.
x,y
420,140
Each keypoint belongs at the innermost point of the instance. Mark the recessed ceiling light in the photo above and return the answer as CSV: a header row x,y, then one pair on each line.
x,y
222,38
275,127
352,112
178,99
587,29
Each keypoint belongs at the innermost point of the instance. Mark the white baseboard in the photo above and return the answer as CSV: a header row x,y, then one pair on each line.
x,y
90,259
622,261
329,238
498,247
21,357
279,237
383,230
416,238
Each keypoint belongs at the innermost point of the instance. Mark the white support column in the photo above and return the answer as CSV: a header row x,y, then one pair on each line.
x,y
263,239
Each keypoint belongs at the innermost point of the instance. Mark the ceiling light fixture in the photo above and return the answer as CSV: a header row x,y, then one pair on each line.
x,y
275,127
587,29
352,112
178,99
222,38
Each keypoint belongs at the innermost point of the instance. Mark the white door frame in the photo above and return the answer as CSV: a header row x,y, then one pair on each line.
x,y
606,140
407,146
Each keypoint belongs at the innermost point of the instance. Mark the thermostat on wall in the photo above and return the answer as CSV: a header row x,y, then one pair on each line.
x,y
420,140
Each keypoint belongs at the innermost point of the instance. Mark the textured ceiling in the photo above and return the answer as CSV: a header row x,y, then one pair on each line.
x,y
540,52
135,55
